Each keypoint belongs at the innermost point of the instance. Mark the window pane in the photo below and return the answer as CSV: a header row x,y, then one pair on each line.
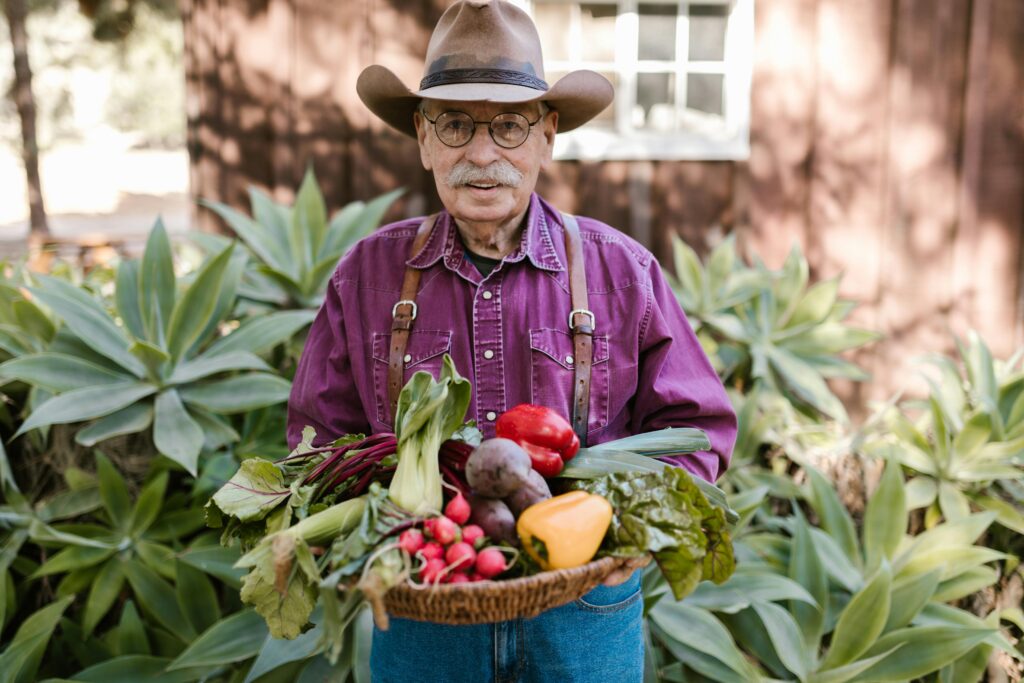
x,y
707,32
655,108
597,23
704,92
657,32
552,19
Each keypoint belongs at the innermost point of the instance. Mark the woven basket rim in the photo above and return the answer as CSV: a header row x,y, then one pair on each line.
x,y
605,565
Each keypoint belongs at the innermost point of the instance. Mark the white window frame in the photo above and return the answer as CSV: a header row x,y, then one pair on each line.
x,y
720,139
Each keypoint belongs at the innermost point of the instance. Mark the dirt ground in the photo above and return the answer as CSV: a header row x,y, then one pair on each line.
x,y
96,190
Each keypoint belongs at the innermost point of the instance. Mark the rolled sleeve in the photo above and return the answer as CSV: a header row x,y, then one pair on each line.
x,y
324,394
677,385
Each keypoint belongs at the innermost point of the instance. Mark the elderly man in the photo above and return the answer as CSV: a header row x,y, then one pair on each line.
x,y
534,307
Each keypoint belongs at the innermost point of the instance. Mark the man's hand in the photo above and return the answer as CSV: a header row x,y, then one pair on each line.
x,y
632,564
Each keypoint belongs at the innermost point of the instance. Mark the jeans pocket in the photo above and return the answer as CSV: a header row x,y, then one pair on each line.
x,y
610,599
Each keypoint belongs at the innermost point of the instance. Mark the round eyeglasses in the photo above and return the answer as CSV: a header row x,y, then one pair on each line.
x,y
456,128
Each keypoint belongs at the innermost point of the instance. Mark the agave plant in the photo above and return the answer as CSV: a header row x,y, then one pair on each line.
x,y
158,362
294,250
100,546
966,448
770,326
826,604
766,422
24,327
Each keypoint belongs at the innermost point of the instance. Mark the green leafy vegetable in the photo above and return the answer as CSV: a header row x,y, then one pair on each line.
x,y
665,514
256,488
283,577
428,413
639,453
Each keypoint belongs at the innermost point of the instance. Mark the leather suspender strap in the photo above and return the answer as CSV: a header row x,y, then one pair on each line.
x,y
581,323
403,314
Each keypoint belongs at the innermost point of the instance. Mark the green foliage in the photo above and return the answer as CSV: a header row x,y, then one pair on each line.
x,y
965,446
293,250
110,579
114,579
772,327
666,515
155,363
827,604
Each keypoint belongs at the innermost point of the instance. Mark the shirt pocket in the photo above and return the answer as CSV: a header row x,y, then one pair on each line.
x,y
423,352
553,375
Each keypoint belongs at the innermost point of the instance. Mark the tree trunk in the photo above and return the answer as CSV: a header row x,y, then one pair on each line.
x,y
17,11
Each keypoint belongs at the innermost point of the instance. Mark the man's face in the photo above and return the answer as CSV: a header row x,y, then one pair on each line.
x,y
477,181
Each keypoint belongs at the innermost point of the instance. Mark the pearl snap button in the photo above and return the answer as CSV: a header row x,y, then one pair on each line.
x,y
492,416
488,354
407,358
569,360
487,295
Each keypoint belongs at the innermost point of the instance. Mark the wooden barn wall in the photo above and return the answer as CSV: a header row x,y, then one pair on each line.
x,y
887,141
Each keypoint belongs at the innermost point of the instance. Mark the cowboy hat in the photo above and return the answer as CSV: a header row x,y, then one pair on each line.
x,y
484,51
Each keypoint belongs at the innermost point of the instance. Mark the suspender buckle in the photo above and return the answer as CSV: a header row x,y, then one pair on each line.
x,y
408,302
581,311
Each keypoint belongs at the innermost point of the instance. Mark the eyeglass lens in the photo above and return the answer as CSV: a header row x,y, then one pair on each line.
x,y
456,128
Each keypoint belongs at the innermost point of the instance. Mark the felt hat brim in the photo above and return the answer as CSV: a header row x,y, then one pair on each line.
x,y
577,97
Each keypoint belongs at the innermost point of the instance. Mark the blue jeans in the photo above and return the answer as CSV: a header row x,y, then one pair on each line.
x,y
596,638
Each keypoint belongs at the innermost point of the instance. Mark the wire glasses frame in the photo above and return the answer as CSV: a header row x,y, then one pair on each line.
x,y
456,128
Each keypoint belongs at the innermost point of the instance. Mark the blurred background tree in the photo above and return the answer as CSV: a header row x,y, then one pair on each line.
x,y
125,56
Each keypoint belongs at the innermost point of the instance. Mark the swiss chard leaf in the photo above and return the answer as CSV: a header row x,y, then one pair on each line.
x,y
666,515
257,488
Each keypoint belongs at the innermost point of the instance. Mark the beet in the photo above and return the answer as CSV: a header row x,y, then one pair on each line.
x,y
497,468
534,491
494,517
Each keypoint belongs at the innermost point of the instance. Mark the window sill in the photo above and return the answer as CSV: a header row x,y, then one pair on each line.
x,y
602,145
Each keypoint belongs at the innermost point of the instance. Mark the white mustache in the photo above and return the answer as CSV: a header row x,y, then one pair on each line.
x,y
500,172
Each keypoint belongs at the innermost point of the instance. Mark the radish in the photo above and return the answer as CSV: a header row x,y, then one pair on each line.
x,y
431,551
411,541
471,534
476,576
490,562
460,556
445,530
458,577
457,509
428,526
433,571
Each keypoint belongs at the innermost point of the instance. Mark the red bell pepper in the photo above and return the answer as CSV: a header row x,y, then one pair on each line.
x,y
544,434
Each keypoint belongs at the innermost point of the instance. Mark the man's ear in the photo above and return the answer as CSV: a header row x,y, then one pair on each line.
x,y
421,137
550,127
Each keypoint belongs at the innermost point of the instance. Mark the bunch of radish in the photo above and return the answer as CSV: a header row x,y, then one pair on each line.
x,y
450,550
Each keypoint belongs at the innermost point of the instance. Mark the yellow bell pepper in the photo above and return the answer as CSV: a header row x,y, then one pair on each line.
x,y
564,531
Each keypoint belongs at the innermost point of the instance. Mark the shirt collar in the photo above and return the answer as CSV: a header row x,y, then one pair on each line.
x,y
536,244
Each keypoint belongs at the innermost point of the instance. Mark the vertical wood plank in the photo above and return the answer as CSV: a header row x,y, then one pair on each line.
x,y
692,200
383,158
987,274
201,19
774,184
331,45
846,208
928,78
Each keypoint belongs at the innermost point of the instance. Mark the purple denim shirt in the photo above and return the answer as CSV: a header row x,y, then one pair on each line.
x,y
508,334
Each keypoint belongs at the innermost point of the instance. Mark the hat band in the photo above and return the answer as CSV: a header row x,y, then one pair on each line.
x,y
498,76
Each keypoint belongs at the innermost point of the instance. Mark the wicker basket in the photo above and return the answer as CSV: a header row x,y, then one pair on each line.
x,y
486,602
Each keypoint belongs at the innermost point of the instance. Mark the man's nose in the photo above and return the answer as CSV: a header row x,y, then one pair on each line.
x,y
481,150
